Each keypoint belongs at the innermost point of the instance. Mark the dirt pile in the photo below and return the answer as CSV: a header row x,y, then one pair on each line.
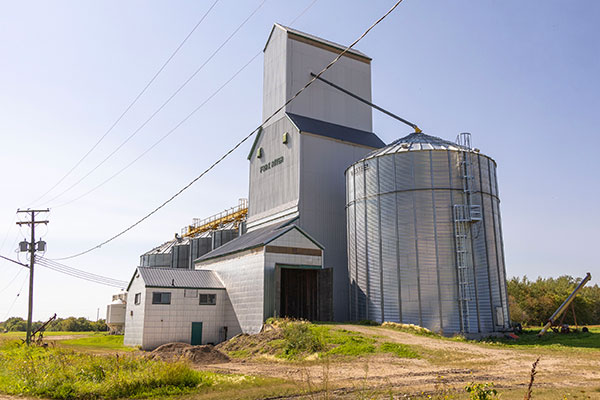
x,y
205,354
266,342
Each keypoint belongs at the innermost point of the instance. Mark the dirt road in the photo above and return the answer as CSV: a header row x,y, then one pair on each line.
x,y
444,364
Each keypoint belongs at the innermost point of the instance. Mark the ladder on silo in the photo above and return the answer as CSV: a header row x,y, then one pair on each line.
x,y
464,215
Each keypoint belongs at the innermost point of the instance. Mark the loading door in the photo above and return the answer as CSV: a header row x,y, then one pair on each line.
x,y
299,293
196,333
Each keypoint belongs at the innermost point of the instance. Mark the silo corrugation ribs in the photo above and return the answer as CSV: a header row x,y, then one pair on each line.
x,y
402,251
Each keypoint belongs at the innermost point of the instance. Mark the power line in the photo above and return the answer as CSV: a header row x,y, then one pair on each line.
x,y
179,124
163,105
16,297
132,103
14,261
336,59
12,280
81,274
163,137
10,228
303,12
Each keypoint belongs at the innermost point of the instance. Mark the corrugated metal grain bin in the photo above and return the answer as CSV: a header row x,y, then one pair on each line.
x,y
425,238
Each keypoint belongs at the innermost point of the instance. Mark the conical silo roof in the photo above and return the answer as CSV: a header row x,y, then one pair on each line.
x,y
416,142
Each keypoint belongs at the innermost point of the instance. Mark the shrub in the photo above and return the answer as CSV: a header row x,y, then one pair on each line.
x,y
300,339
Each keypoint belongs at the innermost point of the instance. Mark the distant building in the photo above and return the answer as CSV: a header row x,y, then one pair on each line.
x,y
115,314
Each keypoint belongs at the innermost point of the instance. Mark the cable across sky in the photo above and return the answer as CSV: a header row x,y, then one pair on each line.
x,y
80,274
163,66
248,136
162,106
127,166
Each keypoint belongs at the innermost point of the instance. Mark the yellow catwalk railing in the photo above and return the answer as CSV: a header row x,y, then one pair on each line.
x,y
234,214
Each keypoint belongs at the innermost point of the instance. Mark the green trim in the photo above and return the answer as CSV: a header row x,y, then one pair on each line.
x,y
255,142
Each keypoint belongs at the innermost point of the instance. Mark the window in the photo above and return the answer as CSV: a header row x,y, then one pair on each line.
x,y
208,299
161,297
190,293
138,299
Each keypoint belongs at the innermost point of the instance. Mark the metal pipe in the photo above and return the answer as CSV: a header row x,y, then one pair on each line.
x,y
565,304
341,89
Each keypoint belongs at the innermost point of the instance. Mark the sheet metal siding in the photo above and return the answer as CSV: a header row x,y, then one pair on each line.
x,y
244,278
180,256
156,260
278,186
401,205
321,204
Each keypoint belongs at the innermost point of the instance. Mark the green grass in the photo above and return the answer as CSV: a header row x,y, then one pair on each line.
x,y
65,374
529,339
60,373
98,341
302,340
14,335
344,342
399,350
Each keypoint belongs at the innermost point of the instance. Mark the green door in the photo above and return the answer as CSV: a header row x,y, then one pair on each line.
x,y
196,333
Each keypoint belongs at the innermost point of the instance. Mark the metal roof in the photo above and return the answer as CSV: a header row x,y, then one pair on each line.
x,y
416,142
180,278
315,39
253,239
335,131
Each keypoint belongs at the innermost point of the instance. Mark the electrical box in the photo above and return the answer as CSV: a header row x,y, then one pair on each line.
x,y
23,246
41,245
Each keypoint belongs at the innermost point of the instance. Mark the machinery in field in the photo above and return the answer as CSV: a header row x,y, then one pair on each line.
x,y
560,311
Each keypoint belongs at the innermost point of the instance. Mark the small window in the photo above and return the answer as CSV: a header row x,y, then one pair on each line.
x,y
285,137
193,293
208,299
161,297
259,152
138,299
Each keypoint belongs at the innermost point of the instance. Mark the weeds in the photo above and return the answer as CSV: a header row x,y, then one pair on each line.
x,y
300,339
482,391
65,374
532,375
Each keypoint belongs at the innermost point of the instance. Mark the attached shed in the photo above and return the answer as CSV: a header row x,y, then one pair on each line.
x,y
177,305
273,271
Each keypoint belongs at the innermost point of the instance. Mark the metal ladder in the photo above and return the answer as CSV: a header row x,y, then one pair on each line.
x,y
464,215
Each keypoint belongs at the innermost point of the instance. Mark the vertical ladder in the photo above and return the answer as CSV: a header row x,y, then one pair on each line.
x,y
464,215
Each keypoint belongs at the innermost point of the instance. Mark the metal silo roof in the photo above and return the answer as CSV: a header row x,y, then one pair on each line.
x,y
416,142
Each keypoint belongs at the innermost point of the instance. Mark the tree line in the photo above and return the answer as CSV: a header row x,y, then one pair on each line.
x,y
70,324
533,302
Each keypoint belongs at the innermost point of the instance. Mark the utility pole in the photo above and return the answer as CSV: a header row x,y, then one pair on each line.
x,y
31,247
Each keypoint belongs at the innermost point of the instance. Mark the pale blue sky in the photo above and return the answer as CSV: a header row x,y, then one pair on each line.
x,y
521,76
